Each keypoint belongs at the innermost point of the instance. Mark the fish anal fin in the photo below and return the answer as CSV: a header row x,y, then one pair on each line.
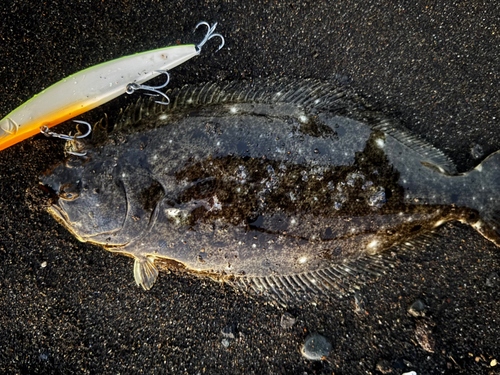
x,y
145,272
314,285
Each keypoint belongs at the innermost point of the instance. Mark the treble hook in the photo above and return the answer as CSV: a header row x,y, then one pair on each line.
x,y
48,133
133,86
210,35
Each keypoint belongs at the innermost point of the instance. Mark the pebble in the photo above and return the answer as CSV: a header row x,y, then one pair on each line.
x,y
493,362
229,331
423,334
225,343
410,373
287,320
316,347
417,309
493,280
476,151
384,366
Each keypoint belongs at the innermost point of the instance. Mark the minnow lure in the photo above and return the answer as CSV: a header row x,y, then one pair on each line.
x,y
291,190
94,86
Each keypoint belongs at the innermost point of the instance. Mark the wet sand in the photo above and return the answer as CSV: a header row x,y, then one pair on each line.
x,y
68,307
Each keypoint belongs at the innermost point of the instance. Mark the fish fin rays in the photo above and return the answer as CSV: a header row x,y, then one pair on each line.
x,y
337,280
145,272
309,93
431,156
424,239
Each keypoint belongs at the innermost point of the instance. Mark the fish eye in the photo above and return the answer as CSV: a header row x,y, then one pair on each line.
x,y
69,192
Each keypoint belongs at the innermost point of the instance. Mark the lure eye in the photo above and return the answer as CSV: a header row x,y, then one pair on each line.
x,y
69,192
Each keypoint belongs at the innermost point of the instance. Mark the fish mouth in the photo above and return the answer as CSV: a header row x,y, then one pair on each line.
x,y
62,218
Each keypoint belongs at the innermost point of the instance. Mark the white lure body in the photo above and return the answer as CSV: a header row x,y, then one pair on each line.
x,y
88,89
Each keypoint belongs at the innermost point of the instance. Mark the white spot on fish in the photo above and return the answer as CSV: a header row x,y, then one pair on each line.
x,y
439,223
233,110
293,222
303,119
254,246
380,142
302,260
479,168
155,157
124,175
172,212
163,116
373,244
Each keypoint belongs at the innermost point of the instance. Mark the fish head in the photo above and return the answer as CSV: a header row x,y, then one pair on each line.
x,y
90,200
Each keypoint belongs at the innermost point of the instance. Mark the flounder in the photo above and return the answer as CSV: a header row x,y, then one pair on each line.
x,y
290,190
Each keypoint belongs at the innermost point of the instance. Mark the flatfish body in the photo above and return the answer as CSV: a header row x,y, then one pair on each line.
x,y
290,190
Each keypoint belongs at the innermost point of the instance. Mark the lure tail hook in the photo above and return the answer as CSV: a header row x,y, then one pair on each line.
x,y
132,87
48,133
210,34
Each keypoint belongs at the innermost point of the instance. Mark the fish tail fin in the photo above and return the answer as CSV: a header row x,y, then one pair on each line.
x,y
486,178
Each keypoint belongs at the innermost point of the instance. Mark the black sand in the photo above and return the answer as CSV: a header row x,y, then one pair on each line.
x,y
435,67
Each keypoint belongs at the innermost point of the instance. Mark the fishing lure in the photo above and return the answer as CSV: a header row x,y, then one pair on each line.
x,y
94,86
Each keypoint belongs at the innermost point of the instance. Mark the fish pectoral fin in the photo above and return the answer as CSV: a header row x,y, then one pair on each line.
x,y
145,272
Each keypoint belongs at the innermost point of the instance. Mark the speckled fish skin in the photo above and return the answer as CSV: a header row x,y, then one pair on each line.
x,y
290,192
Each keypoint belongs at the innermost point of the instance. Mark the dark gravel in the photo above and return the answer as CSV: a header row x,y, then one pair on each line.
x,y
433,65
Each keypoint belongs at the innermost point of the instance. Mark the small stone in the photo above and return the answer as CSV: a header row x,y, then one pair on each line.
x,y
417,308
287,320
229,331
384,366
423,334
225,343
410,373
476,151
493,362
316,347
493,280
43,265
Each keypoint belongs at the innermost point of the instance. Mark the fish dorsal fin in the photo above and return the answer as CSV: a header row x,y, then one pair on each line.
x,y
307,93
430,155
336,280
312,95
